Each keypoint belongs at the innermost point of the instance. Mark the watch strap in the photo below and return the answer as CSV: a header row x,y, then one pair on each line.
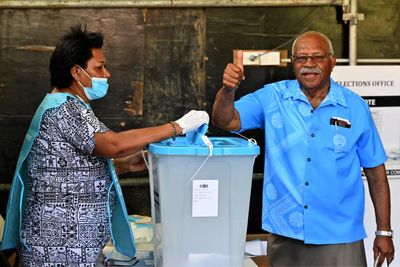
x,y
384,233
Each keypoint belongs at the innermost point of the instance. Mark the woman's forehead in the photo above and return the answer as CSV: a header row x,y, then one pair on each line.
x,y
98,55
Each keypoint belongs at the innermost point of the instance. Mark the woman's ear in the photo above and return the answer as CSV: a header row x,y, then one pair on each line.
x,y
75,72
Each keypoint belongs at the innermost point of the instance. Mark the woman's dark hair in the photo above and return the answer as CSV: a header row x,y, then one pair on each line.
x,y
74,48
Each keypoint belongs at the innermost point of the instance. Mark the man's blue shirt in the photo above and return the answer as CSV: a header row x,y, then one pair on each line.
x,y
313,189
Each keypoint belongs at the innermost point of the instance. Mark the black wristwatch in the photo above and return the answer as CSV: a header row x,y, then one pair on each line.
x,y
384,233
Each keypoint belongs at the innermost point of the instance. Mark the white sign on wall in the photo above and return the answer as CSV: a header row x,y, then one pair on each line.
x,y
380,87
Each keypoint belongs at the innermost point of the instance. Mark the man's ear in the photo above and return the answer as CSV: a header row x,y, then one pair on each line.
x,y
333,60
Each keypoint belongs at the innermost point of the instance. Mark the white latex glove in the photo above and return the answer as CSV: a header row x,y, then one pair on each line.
x,y
193,120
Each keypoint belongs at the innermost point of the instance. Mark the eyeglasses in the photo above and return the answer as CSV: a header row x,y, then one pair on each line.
x,y
314,58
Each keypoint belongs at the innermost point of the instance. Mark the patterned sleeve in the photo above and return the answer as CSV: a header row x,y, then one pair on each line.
x,y
78,125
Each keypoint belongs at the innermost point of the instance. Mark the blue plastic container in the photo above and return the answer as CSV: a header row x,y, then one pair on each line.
x,y
200,202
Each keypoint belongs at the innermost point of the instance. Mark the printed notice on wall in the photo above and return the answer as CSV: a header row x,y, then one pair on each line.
x,y
380,88
205,198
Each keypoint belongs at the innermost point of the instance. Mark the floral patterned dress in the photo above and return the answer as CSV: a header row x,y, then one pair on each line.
x,y
65,221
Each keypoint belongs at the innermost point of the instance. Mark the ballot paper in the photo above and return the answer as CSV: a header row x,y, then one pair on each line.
x,y
249,263
256,247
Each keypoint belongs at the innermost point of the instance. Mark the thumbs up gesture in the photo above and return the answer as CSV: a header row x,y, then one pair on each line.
x,y
234,73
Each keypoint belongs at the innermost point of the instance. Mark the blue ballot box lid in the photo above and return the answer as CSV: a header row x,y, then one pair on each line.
x,y
222,146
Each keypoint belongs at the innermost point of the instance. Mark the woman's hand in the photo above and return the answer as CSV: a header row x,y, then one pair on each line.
x,y
192,120
131,163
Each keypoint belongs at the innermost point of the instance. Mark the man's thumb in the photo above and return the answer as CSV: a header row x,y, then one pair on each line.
x,y
240,59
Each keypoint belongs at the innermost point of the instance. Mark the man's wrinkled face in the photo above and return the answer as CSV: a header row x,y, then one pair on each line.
x,y
312,62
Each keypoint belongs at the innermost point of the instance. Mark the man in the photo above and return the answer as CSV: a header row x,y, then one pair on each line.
x,y
318,135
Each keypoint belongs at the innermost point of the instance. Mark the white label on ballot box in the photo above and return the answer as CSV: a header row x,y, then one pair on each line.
x,y
205,198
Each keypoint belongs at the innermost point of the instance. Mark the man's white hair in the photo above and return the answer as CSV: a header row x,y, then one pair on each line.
x,y
323,36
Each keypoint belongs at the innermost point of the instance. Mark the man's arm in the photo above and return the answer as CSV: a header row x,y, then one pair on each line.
x,y
224,114
380,195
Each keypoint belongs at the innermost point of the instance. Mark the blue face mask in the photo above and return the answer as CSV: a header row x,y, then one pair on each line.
x,y
99,87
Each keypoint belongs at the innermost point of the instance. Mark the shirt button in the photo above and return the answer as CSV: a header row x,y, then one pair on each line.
x,y
312,135
308,159
306,183
312,111
306,206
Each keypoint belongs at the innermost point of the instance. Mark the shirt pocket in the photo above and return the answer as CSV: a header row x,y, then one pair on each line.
x,y
338,139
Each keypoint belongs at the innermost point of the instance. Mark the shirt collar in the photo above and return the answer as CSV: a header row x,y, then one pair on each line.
x,y
334,97
336,94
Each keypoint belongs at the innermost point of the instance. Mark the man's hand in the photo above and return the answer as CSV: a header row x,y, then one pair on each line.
x,y
380,195
383,249
224,114
234,74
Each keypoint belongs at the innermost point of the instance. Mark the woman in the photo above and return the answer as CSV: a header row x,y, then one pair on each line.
x,y
72,202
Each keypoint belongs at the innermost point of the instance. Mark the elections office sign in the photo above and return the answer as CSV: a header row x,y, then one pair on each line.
x,y
380,87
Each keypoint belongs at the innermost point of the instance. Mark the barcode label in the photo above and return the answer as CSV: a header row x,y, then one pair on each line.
x,y
205,198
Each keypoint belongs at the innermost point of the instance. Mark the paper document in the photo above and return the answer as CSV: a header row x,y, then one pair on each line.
x,y
256,248
249,263
205,198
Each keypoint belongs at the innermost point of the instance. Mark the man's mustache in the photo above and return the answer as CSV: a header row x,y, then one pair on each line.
x,y
314,70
